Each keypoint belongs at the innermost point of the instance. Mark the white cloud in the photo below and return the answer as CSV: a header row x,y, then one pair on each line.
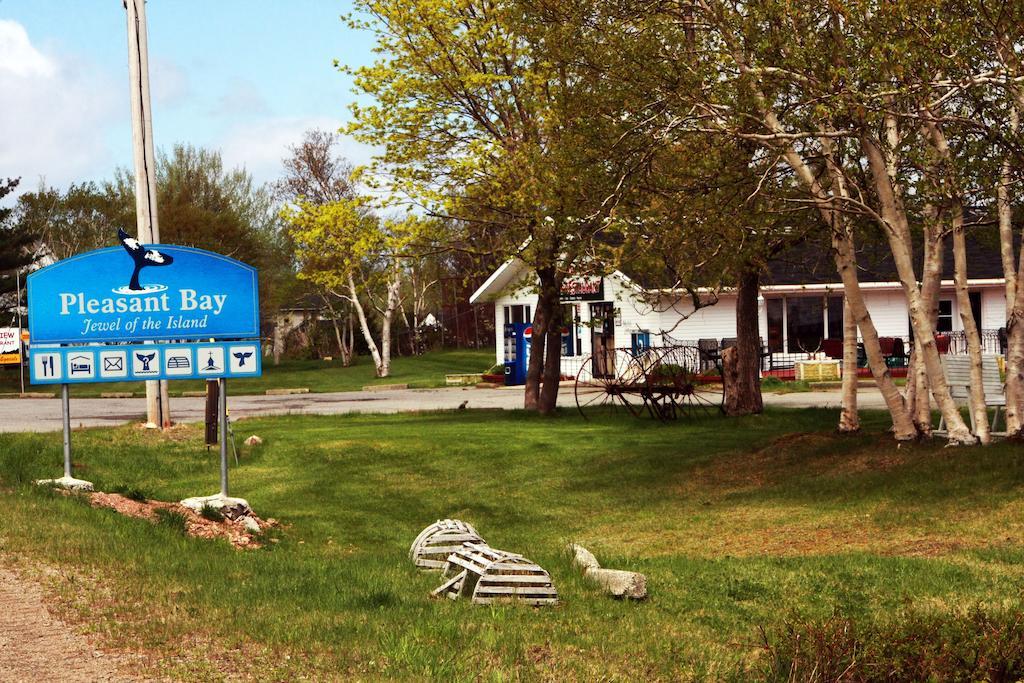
x,y
17,55
261,145
54,115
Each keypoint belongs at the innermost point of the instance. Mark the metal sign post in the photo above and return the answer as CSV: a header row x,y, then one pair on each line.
x,y
65,404
67,481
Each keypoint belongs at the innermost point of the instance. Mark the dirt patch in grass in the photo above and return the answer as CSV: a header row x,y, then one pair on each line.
x,y
751,470
35,646
234,531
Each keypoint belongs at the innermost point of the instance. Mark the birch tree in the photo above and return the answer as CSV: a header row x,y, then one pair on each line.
x,y
316,173
360,258
836,92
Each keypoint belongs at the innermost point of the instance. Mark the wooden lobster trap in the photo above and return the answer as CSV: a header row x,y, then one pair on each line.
x,y
432,547
488,575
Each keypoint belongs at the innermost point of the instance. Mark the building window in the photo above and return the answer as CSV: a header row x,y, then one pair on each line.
x,y
776,325
835,317
945,320
976,308
518,313
570,330
800,324
805,323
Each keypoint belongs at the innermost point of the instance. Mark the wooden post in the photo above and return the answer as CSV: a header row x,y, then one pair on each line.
x,y
212,411
158,406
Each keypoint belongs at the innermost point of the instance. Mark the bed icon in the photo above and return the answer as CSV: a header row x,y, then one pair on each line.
x,y
80,365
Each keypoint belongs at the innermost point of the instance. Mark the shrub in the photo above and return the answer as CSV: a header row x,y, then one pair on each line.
x,y
967,646
172,519
211,513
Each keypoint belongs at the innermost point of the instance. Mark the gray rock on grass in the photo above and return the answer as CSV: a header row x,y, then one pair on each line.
x,y
617,583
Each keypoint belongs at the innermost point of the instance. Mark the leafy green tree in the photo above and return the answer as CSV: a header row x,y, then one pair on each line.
x,y
484,116
346,249
69,222
17,250
315,174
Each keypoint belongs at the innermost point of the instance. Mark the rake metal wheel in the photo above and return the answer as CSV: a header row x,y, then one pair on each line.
x,y
617,393
678,386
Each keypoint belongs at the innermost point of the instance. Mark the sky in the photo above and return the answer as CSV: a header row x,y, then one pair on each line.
x,y
246,77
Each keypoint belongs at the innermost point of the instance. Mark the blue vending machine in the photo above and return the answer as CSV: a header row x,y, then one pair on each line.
x,y
517,353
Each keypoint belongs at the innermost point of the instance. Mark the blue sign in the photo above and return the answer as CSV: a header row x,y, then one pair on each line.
x,y
135,293
125,363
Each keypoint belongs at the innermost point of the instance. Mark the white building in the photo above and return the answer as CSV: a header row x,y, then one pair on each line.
x,y
800,310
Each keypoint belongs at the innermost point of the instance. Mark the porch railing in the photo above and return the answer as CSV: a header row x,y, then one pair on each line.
x,y
895,349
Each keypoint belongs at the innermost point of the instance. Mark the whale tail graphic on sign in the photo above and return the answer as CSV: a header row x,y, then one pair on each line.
x,y
145,359
241,358
142,257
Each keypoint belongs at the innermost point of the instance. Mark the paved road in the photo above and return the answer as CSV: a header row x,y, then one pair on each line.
x,y
43,415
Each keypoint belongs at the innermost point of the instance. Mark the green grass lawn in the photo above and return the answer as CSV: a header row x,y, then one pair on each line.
x,y
427,370
740,526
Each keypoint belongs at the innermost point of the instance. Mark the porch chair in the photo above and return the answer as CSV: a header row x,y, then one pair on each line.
x,y
709,353
957,368
833,348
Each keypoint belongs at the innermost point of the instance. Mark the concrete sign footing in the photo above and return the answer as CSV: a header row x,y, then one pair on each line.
x,y
232,508
69,483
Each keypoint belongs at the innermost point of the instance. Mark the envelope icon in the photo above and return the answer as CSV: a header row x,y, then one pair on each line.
x,y
113,364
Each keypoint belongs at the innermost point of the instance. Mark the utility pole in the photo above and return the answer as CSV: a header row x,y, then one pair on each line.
x,y
158,407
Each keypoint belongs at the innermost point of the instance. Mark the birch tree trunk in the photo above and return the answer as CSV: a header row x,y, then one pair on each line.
x,y
979,414
1014,307
350,340
394,290
337,332
363,325
903,425
931,285
963,300
849,417
898,233
846,264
